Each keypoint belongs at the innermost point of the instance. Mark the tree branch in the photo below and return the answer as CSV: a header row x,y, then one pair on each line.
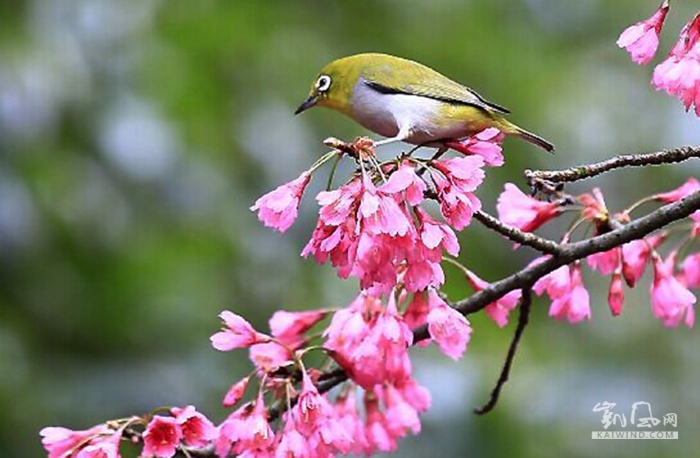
x,y
582,172
516,235
523,317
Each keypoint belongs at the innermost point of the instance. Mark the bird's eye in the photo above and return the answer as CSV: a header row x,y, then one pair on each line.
x,y
323,83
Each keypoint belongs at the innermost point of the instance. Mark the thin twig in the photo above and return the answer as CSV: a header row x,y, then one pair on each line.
x,y
582,172
516,235
525,303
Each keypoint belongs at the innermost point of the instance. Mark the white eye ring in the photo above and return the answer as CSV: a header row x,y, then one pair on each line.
x,y
323,83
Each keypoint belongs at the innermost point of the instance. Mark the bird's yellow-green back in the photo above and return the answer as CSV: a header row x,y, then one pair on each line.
x,y
398,75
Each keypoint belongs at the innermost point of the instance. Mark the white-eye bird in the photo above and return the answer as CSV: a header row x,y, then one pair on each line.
x,y
407,101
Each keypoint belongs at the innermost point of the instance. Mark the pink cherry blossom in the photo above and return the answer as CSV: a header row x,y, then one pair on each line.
x,y
642,38
102,449
671,301
466,173
689,187
606,262
392,413
575,304
380,213
289,327
315,419
570,299
374,262
269,356
339,204
383,355
235,393
423,253
238,333
405,180
499,310
435,234
293,444
257,432
348,328
247,432
455,179
415,394
679,74
197,430
616,294
348,416
279,208
486,144
447,327
556,283
416,313
594,207
421,273
379,436
61,442
370,342
161,437
635,256
517,209
231,430
335,243
401,416
691,271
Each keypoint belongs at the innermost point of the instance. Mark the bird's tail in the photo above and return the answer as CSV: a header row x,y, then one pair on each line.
x,y
512,129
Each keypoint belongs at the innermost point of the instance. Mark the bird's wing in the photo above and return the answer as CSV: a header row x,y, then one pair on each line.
x,y
426,82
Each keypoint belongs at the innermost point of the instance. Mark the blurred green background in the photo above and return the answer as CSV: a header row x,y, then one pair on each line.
x,y
134,135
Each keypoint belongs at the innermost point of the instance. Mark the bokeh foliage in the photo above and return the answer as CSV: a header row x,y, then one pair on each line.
x,y
135,134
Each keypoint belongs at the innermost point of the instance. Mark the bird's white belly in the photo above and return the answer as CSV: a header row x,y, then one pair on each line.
x,y
387,114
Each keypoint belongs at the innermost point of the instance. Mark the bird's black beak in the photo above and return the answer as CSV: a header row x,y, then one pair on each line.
x,y
308,103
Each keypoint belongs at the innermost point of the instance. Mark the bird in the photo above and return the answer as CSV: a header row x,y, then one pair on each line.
x,y
406,101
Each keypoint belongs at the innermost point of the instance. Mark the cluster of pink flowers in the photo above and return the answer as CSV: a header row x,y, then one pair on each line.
x,y
373,227
162,437
679,73
380,235
671,298
370,341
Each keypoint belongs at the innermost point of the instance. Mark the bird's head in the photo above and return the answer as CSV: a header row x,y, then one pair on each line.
x,y
334,85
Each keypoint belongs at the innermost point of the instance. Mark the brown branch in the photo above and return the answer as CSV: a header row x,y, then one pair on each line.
x,y
524,309
516,235
582,172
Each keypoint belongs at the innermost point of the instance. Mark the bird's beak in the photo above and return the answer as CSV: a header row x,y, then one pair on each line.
x,y
308,103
